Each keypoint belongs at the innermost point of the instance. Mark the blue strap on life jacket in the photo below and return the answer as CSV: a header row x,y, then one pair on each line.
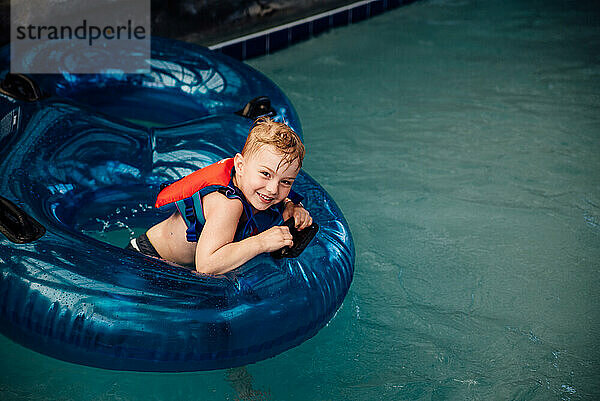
x,y
192,213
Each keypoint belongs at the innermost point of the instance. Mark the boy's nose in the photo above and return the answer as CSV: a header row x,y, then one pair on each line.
x,y
272,188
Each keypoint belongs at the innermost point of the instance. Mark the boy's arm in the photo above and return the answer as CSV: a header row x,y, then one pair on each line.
x,y
216,253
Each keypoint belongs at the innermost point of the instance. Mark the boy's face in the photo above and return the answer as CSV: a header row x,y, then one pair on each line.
x,y
263,178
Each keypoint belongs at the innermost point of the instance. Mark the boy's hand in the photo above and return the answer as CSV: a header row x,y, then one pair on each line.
x,y
275,238
300,215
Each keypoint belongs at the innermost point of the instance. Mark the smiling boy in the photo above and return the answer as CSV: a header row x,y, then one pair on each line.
x,y
231,211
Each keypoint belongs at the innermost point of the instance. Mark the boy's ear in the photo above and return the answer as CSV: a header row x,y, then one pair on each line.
x,y
238,163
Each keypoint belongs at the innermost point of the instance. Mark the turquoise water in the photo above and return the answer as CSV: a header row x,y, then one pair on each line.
x,y
462,141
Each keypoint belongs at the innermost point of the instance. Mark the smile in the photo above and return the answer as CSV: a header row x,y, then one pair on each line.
x,y
265,198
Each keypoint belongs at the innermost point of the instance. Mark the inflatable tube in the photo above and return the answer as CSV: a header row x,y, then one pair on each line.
x,y
85,154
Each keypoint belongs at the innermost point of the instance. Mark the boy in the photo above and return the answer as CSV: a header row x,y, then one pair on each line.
x,y
231,211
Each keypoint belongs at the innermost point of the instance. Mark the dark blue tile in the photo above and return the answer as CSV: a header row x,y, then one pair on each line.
x,y
256,47
300,32
320,25
340,18
285,37
235,50
359,13
377,7
278,40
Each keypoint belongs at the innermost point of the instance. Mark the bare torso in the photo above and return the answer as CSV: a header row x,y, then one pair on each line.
x,y
169,239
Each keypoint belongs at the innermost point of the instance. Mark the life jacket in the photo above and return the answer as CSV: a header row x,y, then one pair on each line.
x,y
187,195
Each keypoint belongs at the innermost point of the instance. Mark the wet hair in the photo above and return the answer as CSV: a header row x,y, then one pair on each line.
x,y
265,131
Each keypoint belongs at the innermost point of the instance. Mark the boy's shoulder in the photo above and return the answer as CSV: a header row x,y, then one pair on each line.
x,y
218,204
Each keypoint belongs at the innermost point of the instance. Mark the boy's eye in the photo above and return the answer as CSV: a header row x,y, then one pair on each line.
x,y
286,182
265,173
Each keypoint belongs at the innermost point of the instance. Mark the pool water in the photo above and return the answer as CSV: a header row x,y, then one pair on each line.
x,y
462,141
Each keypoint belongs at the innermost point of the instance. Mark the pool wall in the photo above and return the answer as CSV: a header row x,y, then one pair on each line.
x,y
280,37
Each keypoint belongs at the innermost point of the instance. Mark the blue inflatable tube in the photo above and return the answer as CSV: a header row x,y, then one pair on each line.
x,y
91,153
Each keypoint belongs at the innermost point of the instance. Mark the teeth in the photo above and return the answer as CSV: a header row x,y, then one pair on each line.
x,y
267,198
